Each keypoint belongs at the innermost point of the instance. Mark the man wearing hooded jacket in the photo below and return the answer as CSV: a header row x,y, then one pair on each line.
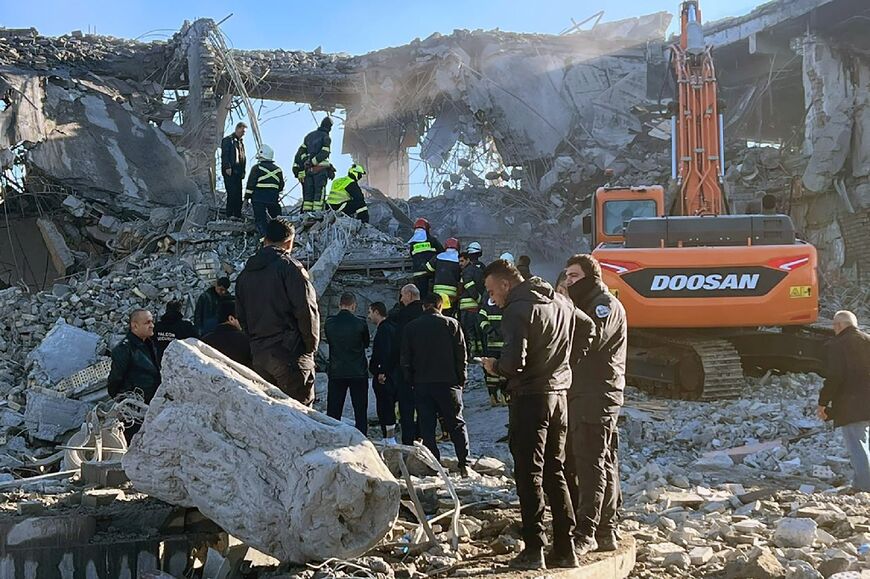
x,y
594,400
277,307
544,334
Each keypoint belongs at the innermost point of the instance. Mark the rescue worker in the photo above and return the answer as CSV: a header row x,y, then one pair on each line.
x,y
594,401
422,246
172,326
346,195
233,164
312,166
433,360
508,257
277,307
265,184
471,295
446,272
490,331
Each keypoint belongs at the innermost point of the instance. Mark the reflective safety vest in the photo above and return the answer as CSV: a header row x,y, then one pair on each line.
x,y
490,325
265,181
472,286
421,253
338,194
446,276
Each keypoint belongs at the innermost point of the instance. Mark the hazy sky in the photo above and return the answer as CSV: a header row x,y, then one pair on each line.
x,y
336,26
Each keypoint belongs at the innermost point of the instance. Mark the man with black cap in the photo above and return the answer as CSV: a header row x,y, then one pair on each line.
x,y
205,315
312,166
233,164
594,400
277,307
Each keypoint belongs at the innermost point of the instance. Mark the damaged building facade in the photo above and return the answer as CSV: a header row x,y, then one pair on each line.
x,y
523,126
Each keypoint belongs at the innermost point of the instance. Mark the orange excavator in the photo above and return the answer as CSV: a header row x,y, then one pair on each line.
x,y
708,295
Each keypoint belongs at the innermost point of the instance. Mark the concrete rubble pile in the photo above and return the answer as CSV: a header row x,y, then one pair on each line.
x,y
274,473
54,344
745,488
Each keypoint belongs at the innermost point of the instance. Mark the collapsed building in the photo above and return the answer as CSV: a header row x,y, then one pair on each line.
x,y
107,152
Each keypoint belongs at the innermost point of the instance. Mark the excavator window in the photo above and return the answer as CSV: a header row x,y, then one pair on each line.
x,y
618,213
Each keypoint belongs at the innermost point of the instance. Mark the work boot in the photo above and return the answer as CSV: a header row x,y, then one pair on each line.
x,y
607,542
562,559
529,559
493,400
463,471
584,545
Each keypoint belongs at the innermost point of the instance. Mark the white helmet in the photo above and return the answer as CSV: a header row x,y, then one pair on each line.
x,y
507,256
473,247
266,153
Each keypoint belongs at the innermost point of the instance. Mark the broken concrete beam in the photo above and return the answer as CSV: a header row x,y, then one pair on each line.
x,y
327,264
64,351
48,417
278,475
104,474
61,256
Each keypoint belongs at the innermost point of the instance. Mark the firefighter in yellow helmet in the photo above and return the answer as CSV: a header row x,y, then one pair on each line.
x,y
346,195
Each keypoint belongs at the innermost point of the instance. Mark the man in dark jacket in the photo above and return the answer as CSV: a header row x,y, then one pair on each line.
x,y
593,408
383,369
524,264
412,308
277,307
228,337
845,397
446,273
312,166
433,360
172,326
264,187
233,169
348,338
135,362
205,314
543,335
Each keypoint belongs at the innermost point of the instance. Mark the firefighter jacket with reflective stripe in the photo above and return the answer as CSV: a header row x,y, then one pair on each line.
x,y
490,325
314,152
422,248
265,182
446,271
347,196
471,286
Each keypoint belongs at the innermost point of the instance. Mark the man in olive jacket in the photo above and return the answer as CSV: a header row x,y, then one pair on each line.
x,y
277,307
845,397
348,338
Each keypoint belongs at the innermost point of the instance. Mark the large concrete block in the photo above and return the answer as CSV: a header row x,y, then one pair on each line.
x,y
282,477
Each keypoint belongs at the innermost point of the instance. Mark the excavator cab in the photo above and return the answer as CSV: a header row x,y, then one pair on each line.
x,y
613,207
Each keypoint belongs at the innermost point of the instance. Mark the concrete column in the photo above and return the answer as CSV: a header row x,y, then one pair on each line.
x,y
382,147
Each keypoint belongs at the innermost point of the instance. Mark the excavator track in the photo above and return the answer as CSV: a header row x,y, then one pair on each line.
x,y
684,366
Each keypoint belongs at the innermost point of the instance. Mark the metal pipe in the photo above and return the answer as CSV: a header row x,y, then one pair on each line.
x,y
673,147
722,144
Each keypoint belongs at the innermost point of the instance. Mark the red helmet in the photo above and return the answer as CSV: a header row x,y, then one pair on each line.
x,y
421,223
451,243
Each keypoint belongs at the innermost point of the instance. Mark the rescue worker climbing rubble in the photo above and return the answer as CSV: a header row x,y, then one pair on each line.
x,y
265,183
346,195
423,247
312,166
493,341
471,295
446,272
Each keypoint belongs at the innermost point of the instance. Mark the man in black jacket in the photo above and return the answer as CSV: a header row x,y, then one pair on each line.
x,y
433,361
233,169
172,326
135,363
277,307
412,308
543,335
593,409
383,369
205,314
228,337
348,338
845,397
312,166
471,293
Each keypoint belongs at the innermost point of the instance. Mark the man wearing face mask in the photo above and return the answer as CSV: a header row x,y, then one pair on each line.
x,y
594,401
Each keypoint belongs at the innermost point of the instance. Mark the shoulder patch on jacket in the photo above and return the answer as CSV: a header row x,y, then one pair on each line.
x,y
602,311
